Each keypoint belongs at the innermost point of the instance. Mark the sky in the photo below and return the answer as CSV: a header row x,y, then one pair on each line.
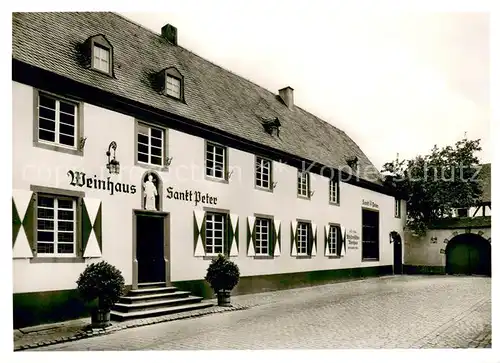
x,y
396,83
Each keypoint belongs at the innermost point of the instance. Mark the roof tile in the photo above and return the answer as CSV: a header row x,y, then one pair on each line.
x,y
214,96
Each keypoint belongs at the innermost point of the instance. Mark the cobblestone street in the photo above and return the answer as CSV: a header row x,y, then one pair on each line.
x,y
389,312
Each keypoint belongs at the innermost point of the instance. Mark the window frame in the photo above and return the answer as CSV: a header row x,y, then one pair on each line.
x,y
270,174
308,238
100,41
268,241
224,233
165,135
300,184
397,208
95,58
224,178
62,193
338,238
167,76
173,73
79,122
56,220
336,187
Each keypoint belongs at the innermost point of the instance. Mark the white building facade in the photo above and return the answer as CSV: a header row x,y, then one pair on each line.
x,y
99,176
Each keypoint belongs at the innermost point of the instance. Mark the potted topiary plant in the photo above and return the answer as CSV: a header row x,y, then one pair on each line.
x,y
222,275
102,282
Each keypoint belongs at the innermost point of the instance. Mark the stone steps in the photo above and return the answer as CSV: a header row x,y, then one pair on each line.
x,y
155,299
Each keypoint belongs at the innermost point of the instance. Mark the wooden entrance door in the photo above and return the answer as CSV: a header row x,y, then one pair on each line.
x,y
398,255
150,237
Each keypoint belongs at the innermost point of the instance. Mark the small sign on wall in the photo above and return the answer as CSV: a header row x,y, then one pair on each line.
x,y
353,239
369,203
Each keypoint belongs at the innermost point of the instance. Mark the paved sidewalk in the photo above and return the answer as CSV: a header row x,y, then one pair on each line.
x,y
48,334
391,312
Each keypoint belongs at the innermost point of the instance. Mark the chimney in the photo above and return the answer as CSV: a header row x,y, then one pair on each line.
x,y
169,32
286,95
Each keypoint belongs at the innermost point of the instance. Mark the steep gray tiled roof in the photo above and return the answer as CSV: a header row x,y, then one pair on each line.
x,y
214,96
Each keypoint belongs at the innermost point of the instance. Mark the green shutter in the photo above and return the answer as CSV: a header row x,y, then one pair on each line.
x,y
86,227
233,235
277,238
91,227
327,230
293,238
314,247
339,241
310,240
23,223
16,223
272,238
199,233
251,236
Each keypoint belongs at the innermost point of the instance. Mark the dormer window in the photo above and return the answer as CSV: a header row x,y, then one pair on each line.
x,y
171,83
173,86
98,54
100,59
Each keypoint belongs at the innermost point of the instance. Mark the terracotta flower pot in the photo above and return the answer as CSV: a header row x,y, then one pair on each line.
x,y
100,318
224,298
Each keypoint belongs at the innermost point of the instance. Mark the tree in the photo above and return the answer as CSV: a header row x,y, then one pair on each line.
x,y
434,184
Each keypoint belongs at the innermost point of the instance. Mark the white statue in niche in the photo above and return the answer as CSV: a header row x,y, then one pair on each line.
x,y
150,194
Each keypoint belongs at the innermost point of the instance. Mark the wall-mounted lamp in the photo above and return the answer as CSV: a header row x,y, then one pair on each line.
x,y
168,161
113,165
81,144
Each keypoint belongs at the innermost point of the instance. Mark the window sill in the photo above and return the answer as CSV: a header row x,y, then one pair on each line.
x,y
58,148
303,257
212,256
161,168
217,180
334,257
57,260
335,204
303,197
262,189
263,257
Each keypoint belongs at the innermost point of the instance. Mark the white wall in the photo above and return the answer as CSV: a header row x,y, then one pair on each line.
x,y
36,166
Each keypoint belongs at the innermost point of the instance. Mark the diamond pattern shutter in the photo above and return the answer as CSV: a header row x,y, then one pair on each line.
x,y
327,250
314,242
91,227
293,239
199,233
23,223
251,236
342,241
233,235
